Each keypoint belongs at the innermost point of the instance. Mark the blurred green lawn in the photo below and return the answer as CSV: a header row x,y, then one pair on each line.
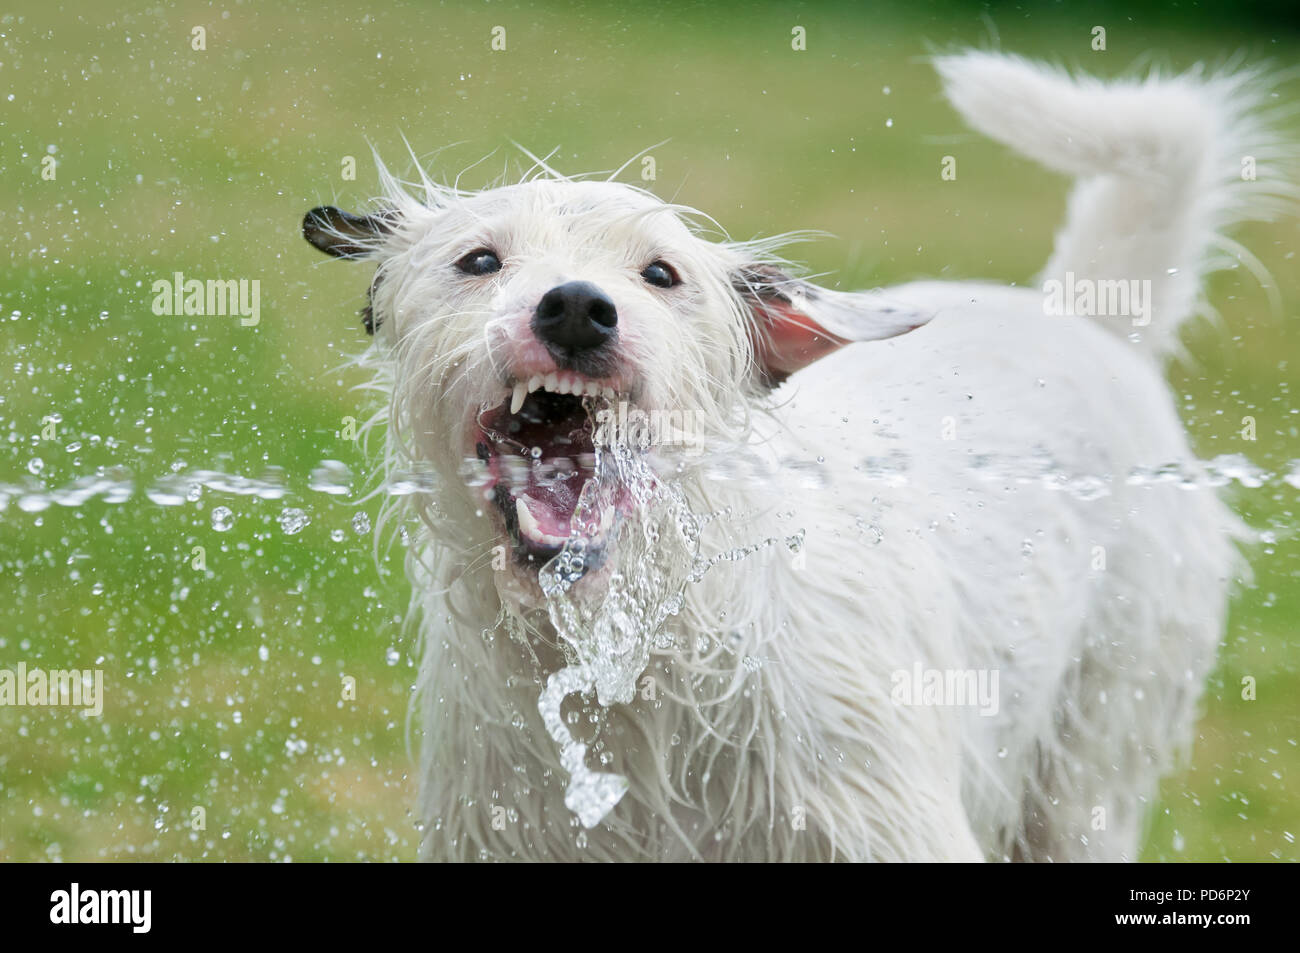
x,y
223,685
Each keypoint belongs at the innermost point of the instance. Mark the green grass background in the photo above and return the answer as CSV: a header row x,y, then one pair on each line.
x,y
223,685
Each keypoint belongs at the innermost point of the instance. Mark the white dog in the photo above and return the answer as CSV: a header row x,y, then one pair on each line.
x,y
698,576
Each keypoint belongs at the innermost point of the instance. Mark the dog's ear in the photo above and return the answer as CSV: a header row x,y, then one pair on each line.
x,y
794,322
344,235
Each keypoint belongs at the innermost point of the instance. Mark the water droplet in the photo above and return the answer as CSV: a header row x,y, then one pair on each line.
x,y
35,465
222,518
361,523
293,520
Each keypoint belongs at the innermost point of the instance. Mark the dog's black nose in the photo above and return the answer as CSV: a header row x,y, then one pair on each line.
x,y
576,316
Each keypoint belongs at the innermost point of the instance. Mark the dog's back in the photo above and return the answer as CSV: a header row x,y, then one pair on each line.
x,y
1035,462
997,476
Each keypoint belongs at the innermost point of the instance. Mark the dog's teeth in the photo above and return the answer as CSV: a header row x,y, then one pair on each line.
x,y
563,385
550,382
609,392
527,522
517,400
529,527
592,388
534,382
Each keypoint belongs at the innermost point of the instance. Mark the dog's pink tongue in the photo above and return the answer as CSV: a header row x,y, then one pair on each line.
x,y
550,513
551,496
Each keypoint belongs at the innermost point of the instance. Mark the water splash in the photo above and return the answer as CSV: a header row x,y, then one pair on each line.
x,y
591,794
608,604
609,599
332,477
640,568
114,484
117,484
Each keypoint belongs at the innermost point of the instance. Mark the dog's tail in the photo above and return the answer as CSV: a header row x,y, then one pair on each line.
x,y
1166,166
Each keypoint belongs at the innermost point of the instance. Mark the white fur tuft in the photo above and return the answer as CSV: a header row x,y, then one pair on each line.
x,y
1163,164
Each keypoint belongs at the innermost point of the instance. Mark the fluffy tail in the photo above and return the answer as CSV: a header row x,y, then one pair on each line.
x,y
1165,165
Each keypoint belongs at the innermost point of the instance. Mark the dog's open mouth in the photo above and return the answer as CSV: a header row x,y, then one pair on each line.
x,y
539,449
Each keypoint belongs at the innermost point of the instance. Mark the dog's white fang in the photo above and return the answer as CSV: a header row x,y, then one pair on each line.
x,y
527,523
520,395
529,528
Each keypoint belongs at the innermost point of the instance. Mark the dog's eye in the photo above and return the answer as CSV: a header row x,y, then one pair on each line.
x,y
660,274
481,261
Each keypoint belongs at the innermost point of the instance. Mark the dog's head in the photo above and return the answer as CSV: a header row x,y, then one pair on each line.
x,y
529,325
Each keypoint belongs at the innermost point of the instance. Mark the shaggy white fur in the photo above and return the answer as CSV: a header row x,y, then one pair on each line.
x,y
965,494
